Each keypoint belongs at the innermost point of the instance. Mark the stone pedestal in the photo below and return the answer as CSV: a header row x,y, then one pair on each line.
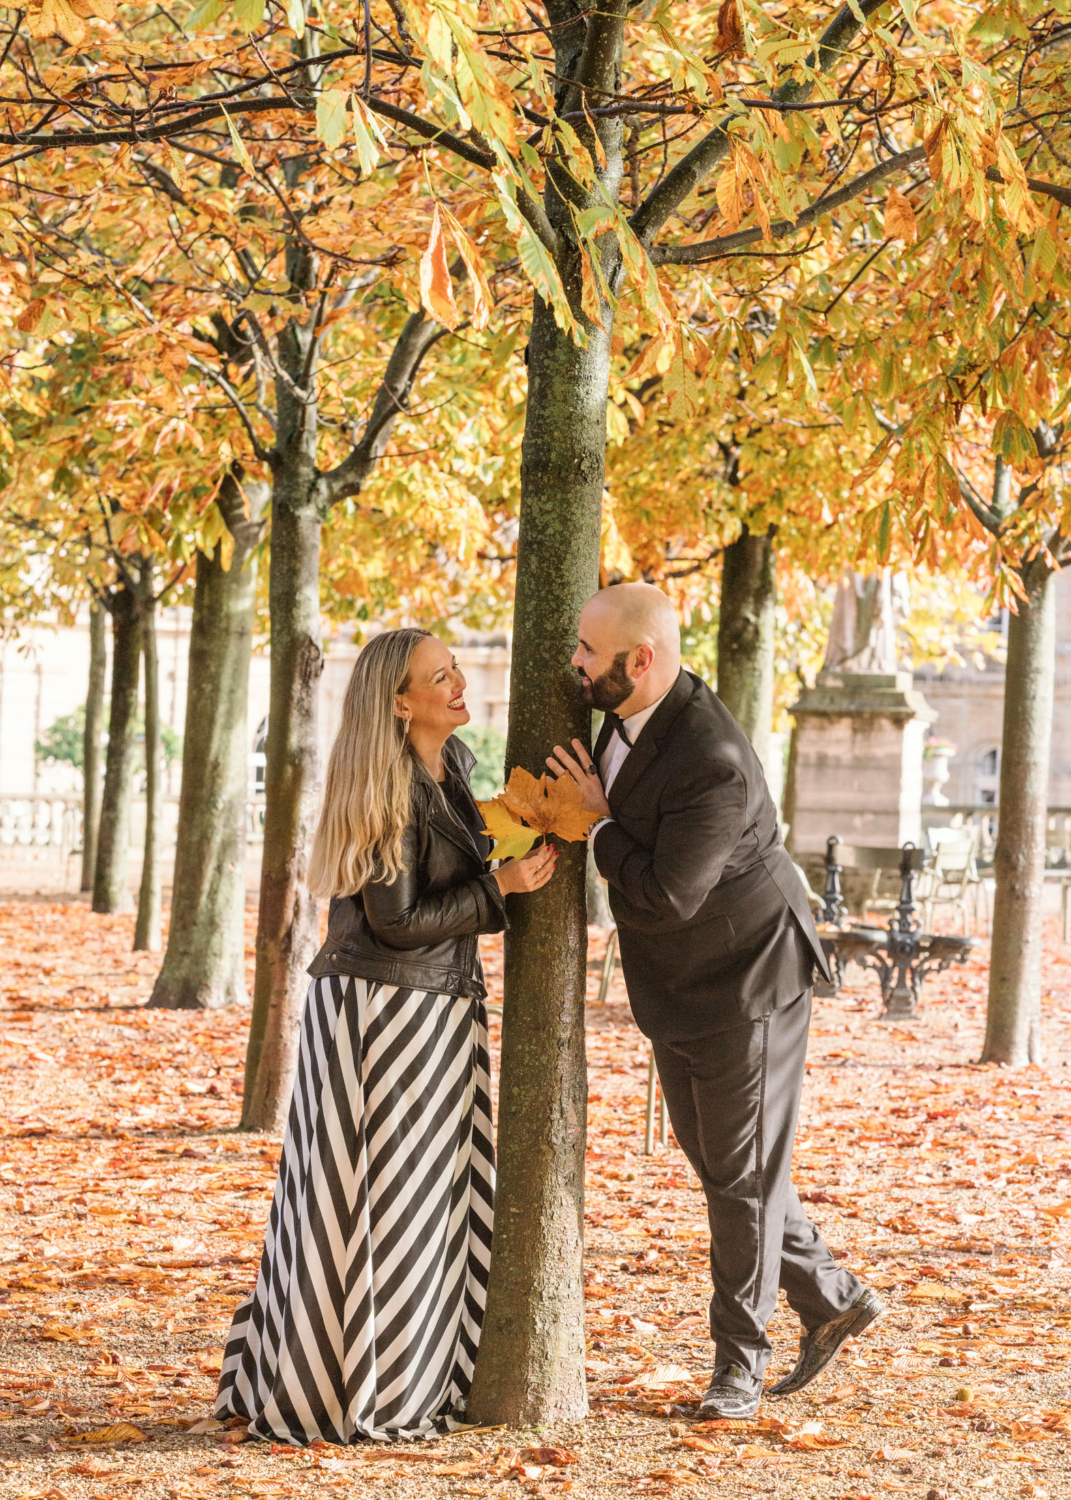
x,y
857,761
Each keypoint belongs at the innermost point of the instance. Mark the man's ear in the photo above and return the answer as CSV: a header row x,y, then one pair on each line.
x,y
642,661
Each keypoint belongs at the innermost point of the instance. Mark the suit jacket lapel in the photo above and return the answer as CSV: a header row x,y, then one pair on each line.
x,y
645,750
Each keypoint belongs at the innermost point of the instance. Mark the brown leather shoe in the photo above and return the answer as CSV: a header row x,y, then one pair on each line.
x,y
821,1346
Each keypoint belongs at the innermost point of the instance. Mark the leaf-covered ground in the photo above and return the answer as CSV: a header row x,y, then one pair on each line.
x,y
131,1213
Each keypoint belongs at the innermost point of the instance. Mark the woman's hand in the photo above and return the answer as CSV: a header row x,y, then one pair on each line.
x,y
529,873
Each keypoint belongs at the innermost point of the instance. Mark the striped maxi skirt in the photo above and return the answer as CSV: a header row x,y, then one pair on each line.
x,y
368,1305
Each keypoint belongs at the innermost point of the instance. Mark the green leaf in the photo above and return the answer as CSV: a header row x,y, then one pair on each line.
x,y
331,117
239,145
205,14
368,134
1013,440
884,532
249,13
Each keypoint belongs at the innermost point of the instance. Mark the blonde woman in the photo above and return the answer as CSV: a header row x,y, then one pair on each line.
x,y
367,1310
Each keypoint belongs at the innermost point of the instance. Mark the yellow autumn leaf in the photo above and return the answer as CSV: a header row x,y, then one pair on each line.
x,y
512,839
730,196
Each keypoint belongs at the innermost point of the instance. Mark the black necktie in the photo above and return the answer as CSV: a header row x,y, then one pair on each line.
x,y
617,724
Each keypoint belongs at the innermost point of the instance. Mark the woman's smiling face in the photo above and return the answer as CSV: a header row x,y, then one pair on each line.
x,y
434,700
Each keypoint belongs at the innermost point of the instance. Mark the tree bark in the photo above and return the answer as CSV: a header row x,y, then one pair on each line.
x,y
530,1365
1013,1017
204,967
287,929
746,637
147,937
92,749
111,882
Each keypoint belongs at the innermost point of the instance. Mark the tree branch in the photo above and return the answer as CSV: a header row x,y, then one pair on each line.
x,y
432,132
705,155
265,455
690,255
414,341
1050,189
599,60
977,505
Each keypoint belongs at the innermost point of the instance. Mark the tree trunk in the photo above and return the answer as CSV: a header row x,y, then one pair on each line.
x,y
746,637
287,928
1013,1017
204,967
111,882
530,1365
91,741
147,937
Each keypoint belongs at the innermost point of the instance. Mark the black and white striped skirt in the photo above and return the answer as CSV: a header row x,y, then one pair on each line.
x,y
367,1310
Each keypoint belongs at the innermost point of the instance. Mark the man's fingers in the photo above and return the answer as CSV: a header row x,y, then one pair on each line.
x,y
582,755
575,771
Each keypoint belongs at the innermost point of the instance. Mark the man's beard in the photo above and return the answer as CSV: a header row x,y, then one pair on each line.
x,y
609,691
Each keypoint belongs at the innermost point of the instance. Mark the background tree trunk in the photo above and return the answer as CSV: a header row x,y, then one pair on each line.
x,y
111,882
746,637
147,927
530,1365
92,749
1013,1017
287,929
204,966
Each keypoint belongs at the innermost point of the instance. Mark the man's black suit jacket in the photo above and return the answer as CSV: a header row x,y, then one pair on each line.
x,y
712,918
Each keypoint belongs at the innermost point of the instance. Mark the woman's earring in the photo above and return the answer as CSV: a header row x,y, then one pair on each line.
x,y
405,727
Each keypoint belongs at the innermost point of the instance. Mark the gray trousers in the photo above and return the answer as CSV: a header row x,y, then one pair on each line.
x,y
733,1099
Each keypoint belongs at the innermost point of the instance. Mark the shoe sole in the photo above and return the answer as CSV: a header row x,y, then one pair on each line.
x,y
712,1413
789,1386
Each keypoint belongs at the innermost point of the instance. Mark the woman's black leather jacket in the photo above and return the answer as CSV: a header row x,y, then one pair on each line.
x,y
421,931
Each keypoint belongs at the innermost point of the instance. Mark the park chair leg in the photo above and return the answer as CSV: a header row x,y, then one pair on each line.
x,y
663,1117
608,964
652,1077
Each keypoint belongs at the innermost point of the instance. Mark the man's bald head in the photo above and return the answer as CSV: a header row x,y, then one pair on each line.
x,y
629,650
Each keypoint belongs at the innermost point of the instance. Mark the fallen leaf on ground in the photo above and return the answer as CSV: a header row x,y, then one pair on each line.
x,y
118,1432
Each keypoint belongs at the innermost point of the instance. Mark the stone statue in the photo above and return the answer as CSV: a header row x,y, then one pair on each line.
x,y
862,637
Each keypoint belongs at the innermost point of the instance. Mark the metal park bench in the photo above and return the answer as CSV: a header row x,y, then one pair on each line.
x,y
901,954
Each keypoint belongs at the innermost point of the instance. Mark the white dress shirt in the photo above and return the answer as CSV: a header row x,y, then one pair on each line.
x,y
616,752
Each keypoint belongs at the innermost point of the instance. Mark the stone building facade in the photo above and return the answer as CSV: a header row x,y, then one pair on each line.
x,y
970,706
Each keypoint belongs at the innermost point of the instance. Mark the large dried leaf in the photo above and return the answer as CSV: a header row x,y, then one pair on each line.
x,y
552,806
118,1432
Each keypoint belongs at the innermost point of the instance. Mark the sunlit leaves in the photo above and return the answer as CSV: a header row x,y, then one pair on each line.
x,y
69,18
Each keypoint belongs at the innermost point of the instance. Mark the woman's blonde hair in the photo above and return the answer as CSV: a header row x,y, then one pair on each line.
x,y
369,788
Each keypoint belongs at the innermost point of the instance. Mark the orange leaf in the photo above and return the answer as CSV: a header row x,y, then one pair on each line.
x,y
729,41
900,218
30,316
550,806
436,291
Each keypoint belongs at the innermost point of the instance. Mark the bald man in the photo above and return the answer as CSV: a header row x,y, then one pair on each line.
x,y
719,952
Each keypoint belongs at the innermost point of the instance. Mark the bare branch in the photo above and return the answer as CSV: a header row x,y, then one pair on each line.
x,y
414,341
